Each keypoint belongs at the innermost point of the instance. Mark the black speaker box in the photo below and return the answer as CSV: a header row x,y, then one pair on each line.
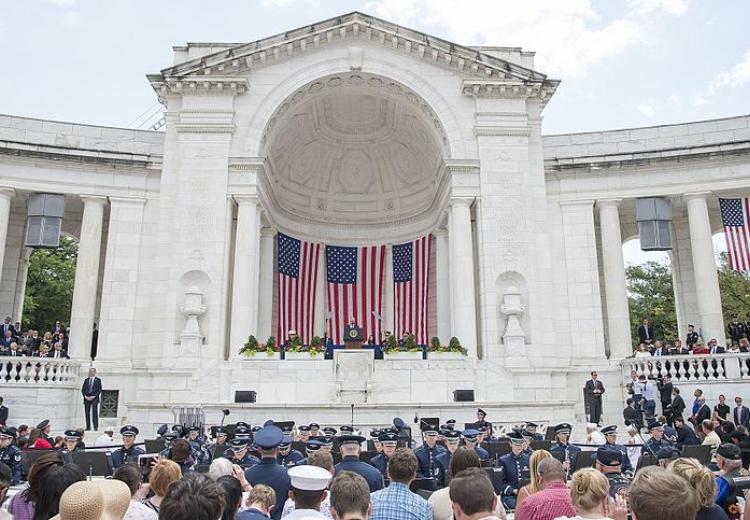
x,y
463,395
245,396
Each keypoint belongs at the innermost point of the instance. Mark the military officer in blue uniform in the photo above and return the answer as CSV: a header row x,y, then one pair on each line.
x,y
610,434
311,446
388,442
239,453
657,441
168,437
375,438
220,444
452,441
346,430
350,446
72,443
268,471
609,462
303,433
327,443
198,445
241,431
129,451
427,464
515,469
287,456
482,424
314,430
10,454
329,431
530,431
562,445
471,439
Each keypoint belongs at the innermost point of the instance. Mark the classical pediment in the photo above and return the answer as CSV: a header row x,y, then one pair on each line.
x,y
482,73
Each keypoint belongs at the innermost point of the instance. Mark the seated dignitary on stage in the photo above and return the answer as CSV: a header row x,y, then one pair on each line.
x,y
350,446
239,453
452,440
471,440
287,456
609,462
308,486
268,471
129,452
427,464
515,470
10,454
610,434
562,445
388,442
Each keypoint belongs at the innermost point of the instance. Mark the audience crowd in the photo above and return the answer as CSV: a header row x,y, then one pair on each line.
x,y
51,343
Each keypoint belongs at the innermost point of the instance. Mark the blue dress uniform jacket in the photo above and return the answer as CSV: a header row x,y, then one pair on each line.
x,y
251,514
515,470
66,454
572,453
380,462
245,462
626,467
444,459
483,454
11,457
655,445
371,475
427,464
270,473
124,456
291,459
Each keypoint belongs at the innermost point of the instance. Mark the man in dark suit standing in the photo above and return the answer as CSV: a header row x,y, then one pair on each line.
x,y
714,348
646,332
741,413
665,387
91,390
678,403
8,326
659,349
692,337
736,330
703,413
593,391
3,413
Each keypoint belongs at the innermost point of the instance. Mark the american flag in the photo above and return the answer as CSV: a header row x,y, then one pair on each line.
x,y
735,215
298,277
355,288
411,269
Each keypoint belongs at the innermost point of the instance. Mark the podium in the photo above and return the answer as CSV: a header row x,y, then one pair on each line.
x,y
352,337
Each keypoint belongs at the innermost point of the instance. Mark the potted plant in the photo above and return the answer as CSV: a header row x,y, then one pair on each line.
x,y
316,346
390,345
410,349
434,345
250,348
454,350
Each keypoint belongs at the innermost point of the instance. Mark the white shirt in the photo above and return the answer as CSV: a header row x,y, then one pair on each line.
x,y
324,507
649,391
137,511
304,514
104,440
596,437
643,354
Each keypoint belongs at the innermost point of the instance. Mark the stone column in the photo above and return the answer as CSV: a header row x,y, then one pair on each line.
x,y
615,289
321,301
443,291
462,276
22,278
87,276
388,303
704,268
265,281
6,195
245,280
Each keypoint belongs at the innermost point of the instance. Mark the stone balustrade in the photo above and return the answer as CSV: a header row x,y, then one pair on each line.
x,y
692,368
39,372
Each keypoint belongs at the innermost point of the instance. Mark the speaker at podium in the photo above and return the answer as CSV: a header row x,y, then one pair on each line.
x,y
353,336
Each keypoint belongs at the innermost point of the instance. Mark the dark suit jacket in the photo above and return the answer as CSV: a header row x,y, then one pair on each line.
x,y
665,392
95,390
719,350
642,333
741,416
589,388
63,355
704,412
5,342
630,415
678,405
3,415
9,326
664,352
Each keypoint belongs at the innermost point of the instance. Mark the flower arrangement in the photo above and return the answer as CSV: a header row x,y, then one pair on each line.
x,y
316,346
391,345
251,347
270,346
294,345
410,345
434,345
455,346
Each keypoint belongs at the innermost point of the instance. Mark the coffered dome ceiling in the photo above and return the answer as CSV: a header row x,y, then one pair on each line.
x,y
354,148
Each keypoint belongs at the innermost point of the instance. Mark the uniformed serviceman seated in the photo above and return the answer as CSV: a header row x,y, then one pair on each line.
x,y
314,430
657,441
311,446
330,431
666,455
10,454
452,441
345,430
220,444
482,423
375,438
471,439
129,451
350,446
239,453
72,443
530,431
515,469
609,462
562,445
427,464
326,443
303,433
387,442
287,456
610,434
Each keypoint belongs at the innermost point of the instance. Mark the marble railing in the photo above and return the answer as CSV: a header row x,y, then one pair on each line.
x,y
700,367
30,371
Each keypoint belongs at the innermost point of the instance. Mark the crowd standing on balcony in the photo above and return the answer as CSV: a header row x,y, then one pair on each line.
x,y
52,343
738,339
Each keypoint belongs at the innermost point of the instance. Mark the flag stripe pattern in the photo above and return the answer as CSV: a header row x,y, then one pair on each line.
x,y
735,215
297,266
354,288
411,268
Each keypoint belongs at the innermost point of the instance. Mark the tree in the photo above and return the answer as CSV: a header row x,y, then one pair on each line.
x,y
651,295
735,291
49,285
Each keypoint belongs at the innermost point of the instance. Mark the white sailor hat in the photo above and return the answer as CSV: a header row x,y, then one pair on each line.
x,y
309,478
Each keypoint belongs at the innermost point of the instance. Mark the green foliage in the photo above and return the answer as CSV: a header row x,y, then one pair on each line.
x,y
411,344
651,295
434,344
49,286
294,345
250,347
271,343
391,344
735,291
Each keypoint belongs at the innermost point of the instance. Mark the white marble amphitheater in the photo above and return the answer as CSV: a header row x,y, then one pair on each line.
x,y
353,131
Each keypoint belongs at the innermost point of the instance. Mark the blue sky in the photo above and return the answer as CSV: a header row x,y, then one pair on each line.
x,y
623,62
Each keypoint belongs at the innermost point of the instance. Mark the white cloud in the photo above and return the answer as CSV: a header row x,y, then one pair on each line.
x,y
62,3
569,36
737,76
286,3
647,109
674,99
